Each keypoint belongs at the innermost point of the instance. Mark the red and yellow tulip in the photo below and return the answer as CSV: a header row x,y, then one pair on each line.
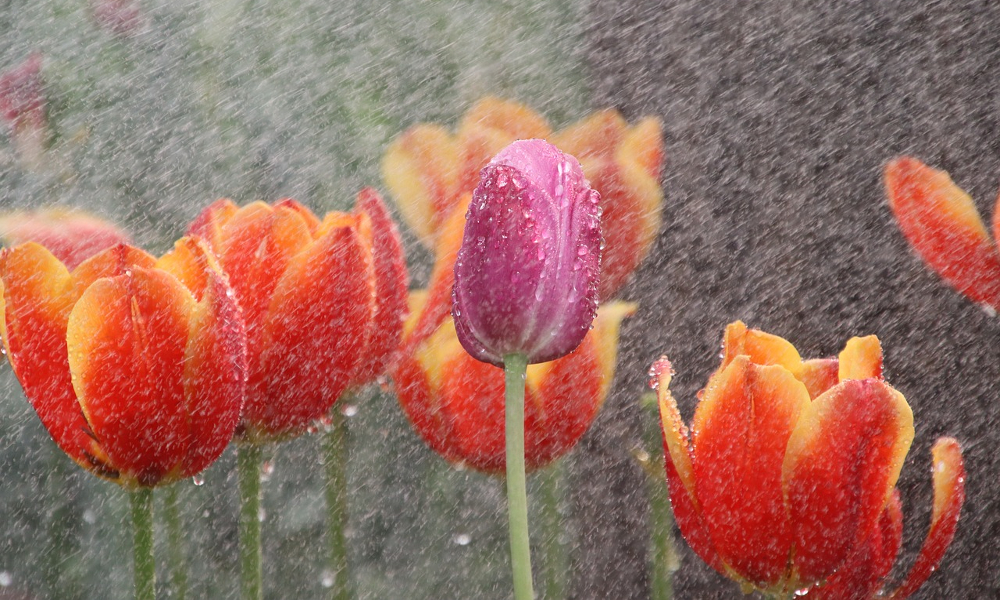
x,y
429,171
314,295
456,403
136,366
942,224
788,472
71,235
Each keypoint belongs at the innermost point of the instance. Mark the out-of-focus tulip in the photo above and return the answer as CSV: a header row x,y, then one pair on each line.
x,y
22,105
789,469
943,226
120,17
429,170
72,236
322,302
527,272
136,366
456,403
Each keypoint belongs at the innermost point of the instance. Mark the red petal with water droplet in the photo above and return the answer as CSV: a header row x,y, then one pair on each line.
x,y
942,223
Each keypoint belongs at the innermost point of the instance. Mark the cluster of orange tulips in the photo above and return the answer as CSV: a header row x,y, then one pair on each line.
x,y
261,317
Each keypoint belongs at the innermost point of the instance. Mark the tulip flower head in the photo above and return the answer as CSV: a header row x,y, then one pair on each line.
x,y
527,273
456,403
431,171
786,480
72,236
942,224
323,302
136,366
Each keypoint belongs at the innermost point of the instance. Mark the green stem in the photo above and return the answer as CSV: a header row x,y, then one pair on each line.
x,y
515,367
553,550
248,458
175,540
335,465
144,568
664,557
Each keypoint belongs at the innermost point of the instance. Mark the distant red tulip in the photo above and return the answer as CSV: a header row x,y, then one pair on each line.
x,y
136,366
788,471
72,236
22,105
943,226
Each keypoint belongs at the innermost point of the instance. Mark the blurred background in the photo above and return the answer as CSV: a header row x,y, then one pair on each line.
x,y
778,118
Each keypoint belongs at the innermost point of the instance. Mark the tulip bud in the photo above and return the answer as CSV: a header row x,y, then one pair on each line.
x,y
527,273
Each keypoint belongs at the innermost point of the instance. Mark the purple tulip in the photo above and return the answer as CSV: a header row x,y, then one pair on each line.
x,y
527,273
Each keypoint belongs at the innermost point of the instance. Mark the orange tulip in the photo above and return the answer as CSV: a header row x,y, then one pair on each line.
x,y
136,366
456,403
789,469
943,226
72,236
321,299
429,171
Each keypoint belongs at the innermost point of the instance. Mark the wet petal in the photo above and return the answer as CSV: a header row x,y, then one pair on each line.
x,y
215,367
843,460
38,295
741,430
126,340
420,168
210,222
391,283
597,135
605,334
760,347
680,473
315,330
819,375
72,236
861,359
949,495
942,223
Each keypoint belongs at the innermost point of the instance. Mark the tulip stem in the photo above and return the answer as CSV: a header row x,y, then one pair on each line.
x,y
175,541
515,368
248,458
144,568
335,465
553,550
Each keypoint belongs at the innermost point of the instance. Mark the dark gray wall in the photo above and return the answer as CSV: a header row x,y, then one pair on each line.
x,y
778,117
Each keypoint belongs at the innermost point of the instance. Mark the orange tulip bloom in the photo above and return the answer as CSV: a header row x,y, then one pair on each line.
x,y
136,366
943,226
788,471
314,295
72,236
429,171
456,403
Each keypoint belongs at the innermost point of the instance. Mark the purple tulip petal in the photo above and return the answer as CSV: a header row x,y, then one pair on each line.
x,y
527,273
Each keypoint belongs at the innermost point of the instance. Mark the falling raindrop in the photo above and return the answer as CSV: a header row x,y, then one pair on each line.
x,y
266,470
349,410
326,578
89,516
461,539
261,514
198,479
6,578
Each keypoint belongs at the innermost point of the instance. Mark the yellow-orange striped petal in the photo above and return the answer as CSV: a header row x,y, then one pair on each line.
x,y
949,495
742,427
760,347
842,462
943,226
861,358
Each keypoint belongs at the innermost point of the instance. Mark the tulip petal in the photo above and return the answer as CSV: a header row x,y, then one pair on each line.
x,y
210,222
861,359
315,330
741,429
126,339
949,495
760,347
605,334
114,261
843,460
643,146
861,577
38,295
421,403
472,397
680,474
391,284
71,236
420,168
568,398
215,366
942,223
819,375
596,136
